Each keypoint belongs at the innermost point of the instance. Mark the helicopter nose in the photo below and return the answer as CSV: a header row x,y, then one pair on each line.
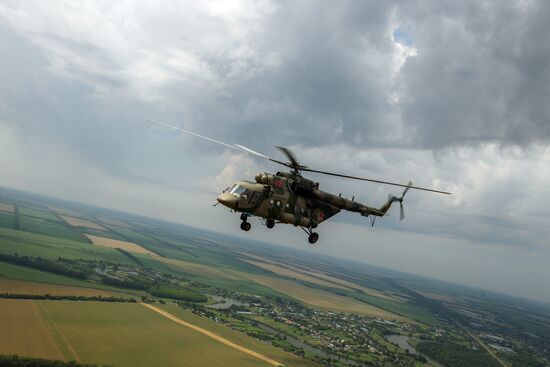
x,y
227,200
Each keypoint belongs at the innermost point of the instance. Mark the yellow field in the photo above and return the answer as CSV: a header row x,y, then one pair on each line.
x,y
193,268
346,283
321,299
294,274
281,268
6,207
130,335
24,332
79,222
109,242
24,287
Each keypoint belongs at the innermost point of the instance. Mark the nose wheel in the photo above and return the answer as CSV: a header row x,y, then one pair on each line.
x,y
270,223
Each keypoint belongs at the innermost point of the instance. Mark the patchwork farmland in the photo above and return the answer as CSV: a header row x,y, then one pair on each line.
x,y
101,287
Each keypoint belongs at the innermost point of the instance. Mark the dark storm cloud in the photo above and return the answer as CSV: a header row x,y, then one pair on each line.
x,y
482,72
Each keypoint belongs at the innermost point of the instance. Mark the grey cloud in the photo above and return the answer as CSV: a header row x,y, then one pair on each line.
x,y
481,75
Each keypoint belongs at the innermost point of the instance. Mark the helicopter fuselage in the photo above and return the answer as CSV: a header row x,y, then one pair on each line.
x,y
288,198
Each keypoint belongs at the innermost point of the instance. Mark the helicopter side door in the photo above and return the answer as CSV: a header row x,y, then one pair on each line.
x,y
278,198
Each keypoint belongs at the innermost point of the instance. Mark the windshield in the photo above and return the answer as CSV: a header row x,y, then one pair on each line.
x,y
237,190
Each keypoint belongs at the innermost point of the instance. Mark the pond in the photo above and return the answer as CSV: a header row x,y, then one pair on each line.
x,y
307,347
403,342
224,302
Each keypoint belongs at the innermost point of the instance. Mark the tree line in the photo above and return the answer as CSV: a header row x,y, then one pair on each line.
x,y
66,297
18,361
45,265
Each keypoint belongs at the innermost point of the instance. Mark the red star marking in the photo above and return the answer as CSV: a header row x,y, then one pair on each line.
x,y
278,183
321,216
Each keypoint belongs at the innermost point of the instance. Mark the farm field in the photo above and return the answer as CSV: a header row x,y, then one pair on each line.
x,y
15,286
124,245
6,207
311,275
321,299
294,274
25,332
34,244
114,222
79,222
12,271
48,227
194,268
223,284
237,337
7,219
38,213
123,334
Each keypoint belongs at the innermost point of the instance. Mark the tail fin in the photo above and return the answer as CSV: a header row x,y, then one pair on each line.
x,y
392,199
384,208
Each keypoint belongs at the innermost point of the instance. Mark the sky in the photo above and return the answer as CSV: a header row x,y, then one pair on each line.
x,y
451,95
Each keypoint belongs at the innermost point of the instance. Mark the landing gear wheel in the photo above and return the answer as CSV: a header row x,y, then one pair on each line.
x,y
313,237
270,223
245,226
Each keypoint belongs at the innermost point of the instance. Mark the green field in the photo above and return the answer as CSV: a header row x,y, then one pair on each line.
x,y
39,213
238,337
49,228
6,219
326,302
122,334
34,244
11,271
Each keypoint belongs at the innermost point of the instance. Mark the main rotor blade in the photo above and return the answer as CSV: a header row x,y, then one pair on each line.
x,y
248,150
291,157
237,147
376,181
195,134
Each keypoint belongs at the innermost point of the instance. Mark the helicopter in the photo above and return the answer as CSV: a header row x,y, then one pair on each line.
x,y
290,198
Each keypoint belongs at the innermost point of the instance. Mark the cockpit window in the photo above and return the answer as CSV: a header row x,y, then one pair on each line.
x,y
237,190
240,191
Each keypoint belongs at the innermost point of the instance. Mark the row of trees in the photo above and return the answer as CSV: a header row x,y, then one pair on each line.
x,y
123,283
159,287
179,293
17,361
45,265
130,256
66,298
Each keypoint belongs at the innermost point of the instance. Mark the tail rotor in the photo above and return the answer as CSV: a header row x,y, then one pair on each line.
x,y
401,210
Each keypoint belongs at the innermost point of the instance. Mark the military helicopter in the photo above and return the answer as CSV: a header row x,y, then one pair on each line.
x,y
290,198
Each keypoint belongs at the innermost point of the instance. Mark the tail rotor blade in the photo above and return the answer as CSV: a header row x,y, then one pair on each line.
x,y
401,212
409,185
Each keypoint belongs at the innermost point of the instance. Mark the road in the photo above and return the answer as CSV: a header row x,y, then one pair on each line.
x,y
212,335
